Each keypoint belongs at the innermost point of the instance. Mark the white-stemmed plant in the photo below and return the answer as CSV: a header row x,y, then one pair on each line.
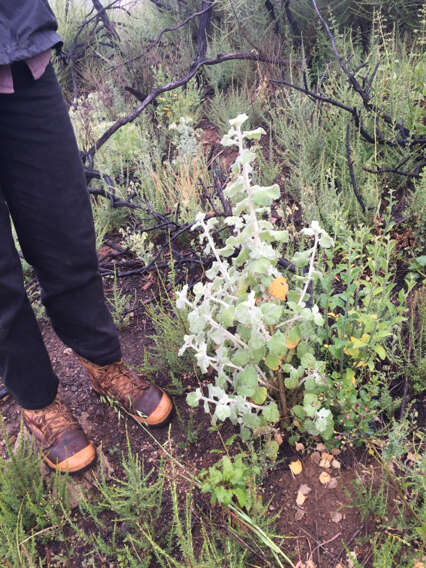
x,y
245,324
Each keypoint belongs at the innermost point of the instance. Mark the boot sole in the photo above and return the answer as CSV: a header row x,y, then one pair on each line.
x,y
88,454
161,424
164,410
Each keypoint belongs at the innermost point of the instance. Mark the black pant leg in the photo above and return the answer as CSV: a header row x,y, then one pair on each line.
x,y
24,363
44,186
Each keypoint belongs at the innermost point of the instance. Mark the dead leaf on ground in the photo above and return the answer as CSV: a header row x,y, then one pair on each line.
x,y
332,484
350,557
316,457
300,513
147,285
296,467
320,447
336,517
308,564
335,451
300,499
303,491
300,447
326,460
278,437
324,478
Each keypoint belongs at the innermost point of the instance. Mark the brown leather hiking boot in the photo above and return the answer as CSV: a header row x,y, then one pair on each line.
x,y
63,443
146,402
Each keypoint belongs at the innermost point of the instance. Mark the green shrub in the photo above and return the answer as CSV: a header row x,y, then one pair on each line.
x,y
31,513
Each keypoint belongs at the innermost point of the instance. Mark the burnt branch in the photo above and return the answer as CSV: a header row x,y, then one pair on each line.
x,y
103,15
109,193
271,10
157,39
161,6
175,85
364,93
354,111
413,174
293,24
203,25
351,170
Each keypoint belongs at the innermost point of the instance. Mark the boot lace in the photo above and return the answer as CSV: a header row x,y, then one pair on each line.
x,y
52,421
122,383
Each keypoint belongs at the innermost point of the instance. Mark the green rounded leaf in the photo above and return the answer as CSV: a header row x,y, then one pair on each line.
x,y
252,420
291,382
273,362
246,382
222,411
271,313
193,398
270,412
298,411
260,395
276,344
241,357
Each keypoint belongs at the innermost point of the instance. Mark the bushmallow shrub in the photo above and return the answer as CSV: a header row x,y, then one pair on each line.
x,y
255,327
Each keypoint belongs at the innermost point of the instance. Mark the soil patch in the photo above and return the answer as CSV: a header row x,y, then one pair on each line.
x,y
314,530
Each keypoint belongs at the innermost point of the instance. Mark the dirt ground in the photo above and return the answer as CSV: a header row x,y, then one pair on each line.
x,y
315,529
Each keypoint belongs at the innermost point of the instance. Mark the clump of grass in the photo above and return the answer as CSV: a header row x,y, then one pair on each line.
x,y
391,501
31,512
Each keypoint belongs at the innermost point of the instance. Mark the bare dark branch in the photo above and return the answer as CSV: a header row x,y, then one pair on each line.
x,y
351,170
174,85
203,25
103,15
363,93
157,39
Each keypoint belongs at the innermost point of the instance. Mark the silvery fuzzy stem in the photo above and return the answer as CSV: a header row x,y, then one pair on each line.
x,y
311,269
246,403
213,248
247,183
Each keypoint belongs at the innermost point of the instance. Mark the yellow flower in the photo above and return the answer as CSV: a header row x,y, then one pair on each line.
x,y
278,288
